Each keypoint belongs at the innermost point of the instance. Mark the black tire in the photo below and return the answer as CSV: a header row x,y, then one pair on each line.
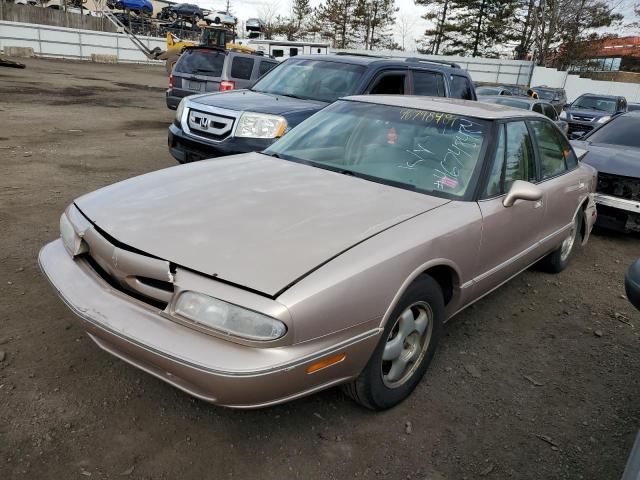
x,y
558,260
369,389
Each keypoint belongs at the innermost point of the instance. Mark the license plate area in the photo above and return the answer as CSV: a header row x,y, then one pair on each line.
x,y
194,85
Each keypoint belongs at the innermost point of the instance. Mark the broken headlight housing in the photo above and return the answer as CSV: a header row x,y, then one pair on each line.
x,y
72,241
260,125
227,318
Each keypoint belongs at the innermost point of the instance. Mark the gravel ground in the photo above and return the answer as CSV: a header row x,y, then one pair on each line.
x,y
539,380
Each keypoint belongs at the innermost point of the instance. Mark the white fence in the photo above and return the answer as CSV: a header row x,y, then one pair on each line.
x,y
49,41
490,70
576,86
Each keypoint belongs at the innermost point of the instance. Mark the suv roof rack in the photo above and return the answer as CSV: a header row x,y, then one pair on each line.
x,y
355,54
428,60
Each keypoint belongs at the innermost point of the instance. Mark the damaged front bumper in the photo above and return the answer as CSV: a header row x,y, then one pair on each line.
x,y
210,368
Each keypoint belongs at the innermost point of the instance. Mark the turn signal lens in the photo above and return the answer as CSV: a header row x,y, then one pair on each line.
x,y
327,362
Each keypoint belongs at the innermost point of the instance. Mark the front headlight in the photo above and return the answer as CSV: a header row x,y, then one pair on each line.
x,y
563,115
260,125
72,241
180,109
228,318
604,119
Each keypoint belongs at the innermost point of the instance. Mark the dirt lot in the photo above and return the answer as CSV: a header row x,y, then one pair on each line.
x,y
540,380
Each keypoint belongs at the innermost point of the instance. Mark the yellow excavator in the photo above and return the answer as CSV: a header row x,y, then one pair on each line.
x,y
216,36
219,37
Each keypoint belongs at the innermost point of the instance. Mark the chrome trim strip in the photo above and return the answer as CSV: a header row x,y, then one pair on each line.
x,y
620,203
528,250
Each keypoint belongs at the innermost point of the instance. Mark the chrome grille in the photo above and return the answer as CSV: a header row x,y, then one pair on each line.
x,y
143,277
208,124
582,118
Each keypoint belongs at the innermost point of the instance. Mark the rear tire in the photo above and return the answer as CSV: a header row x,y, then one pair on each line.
x,y
558,260
405,349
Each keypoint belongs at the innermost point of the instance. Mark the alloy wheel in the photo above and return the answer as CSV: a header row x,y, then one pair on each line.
x,y
406,344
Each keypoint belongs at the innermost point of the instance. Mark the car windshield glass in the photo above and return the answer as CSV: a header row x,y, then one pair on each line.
x,y
509,102
425,151
621,130
545,94
595,103
488,91
311,79
204,62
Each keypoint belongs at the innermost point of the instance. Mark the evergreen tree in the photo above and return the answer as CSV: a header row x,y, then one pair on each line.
x,y
334,19
436,36
301,12
478,27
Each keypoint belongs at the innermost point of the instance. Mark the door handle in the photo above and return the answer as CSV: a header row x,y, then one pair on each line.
x,y
538,204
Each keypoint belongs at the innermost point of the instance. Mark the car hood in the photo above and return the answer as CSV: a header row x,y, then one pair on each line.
x,y
252,220
611,159
596,114
250,101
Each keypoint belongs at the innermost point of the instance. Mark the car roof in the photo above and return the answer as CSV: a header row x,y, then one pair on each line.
x,y
611,97
366,60
544,87
469,108
516,97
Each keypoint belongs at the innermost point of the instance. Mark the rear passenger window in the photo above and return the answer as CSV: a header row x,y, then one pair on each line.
x,y
461,87
241,68
550,112
428,83
389,85
265,67
551,149
537,107
513,159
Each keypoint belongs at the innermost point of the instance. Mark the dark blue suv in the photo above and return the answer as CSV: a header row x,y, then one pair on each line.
x,y
591,110
239,121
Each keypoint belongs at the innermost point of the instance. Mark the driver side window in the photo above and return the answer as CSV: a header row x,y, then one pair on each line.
x,y
513,159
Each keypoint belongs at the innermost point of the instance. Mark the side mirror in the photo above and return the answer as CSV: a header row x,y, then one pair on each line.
x,y
566,106
632,284
521,190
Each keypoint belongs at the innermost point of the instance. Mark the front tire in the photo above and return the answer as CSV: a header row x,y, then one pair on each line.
x,y
558,260
405,350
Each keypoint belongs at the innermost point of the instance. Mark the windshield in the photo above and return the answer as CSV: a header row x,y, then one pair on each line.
x,y
509,102
595,103
622,130
545,94
311,79
426,151
205,62
488,91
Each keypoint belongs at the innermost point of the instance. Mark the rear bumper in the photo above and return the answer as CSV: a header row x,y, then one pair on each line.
x,y
197,363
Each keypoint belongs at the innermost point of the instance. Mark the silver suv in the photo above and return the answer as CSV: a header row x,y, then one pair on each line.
x,y
207,69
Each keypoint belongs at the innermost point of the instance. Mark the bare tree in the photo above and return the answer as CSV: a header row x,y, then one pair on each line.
x,y
405,28
268,15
